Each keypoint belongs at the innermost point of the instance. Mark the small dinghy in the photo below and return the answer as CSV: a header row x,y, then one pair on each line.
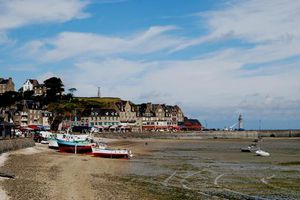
x,y
250,148
101,150
262,153
44,142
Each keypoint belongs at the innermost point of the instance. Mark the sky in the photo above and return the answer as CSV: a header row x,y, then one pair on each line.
x,y
215,59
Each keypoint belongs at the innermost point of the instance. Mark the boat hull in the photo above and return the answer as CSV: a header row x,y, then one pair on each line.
x,y
262,153
245,150
111,153
53,144
73,147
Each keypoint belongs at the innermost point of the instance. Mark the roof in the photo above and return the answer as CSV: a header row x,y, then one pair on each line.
x,y
33,81
121,105
100,112
191,121
4,81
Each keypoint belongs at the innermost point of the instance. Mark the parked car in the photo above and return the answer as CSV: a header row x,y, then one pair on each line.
x,y
37,137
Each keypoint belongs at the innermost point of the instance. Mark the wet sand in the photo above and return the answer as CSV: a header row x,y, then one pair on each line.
x,y
160,169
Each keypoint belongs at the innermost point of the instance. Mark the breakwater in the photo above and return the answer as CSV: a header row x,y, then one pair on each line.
x,y
14,144
236,134
203,134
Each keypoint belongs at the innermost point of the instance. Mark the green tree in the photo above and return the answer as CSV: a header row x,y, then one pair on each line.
x,y
72,91
28,95
55,88
9,98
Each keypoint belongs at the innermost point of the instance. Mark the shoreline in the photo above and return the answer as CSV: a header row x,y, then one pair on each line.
x,y
203,134
3,158
161,169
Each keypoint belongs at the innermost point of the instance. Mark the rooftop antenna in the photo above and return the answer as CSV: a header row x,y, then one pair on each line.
x,y
99,94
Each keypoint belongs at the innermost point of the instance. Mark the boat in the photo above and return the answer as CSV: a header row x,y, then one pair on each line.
x,y
53,144
67,137
44,142
75,146
262,153
105,152
249,148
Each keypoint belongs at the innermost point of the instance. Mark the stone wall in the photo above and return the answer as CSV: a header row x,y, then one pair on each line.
x,y
233,134
14,144
279,133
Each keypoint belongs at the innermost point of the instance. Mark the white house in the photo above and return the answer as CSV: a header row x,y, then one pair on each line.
x,y
33,85
29,84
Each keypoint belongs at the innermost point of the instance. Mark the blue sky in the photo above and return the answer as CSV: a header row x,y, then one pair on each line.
x,y
213,58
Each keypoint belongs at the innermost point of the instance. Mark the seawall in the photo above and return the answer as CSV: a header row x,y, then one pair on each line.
x,y
252,134
233,134
14,144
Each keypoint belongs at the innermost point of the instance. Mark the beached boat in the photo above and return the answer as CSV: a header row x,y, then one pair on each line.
x,y
74,146
262,153
52,144
53,140
111,153
249,148
67,137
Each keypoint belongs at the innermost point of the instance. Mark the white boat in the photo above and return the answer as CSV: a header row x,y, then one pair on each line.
x,y
44,142
111,153
46,134
250,148
262,153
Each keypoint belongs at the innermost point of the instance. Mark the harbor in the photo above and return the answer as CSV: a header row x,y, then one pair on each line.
x,y
149,100
160,169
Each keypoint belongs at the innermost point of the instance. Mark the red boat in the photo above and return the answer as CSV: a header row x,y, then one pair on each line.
x,y
74,147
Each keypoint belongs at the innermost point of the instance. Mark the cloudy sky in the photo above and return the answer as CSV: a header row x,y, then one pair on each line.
x,y
213,58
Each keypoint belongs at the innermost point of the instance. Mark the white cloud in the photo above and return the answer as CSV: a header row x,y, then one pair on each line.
x,y
18,13
264,23
109,74
72,44
41,78
257,21
215,81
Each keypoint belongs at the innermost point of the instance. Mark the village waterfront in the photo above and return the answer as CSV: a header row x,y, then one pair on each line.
x,y
174,168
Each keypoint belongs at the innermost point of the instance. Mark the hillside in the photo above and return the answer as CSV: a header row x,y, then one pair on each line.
x,y
103,102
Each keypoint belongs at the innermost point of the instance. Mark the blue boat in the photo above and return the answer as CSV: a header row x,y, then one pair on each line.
x,y
74,146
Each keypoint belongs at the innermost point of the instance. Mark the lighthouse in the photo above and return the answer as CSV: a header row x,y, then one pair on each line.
x,y
240,122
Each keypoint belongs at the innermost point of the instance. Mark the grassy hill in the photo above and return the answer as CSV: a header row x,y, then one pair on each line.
x,y
78,104
103,102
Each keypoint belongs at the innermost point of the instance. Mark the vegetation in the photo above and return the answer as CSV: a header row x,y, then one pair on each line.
x,y
104,102
55,88
63,106
69,108
9,98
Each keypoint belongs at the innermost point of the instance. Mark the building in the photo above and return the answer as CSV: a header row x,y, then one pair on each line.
x,y
190,125
33,85
6,129
127,113
6,85
98,117
155,117
46,116
29,112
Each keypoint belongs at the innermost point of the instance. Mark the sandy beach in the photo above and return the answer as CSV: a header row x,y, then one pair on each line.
x,y
160,169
